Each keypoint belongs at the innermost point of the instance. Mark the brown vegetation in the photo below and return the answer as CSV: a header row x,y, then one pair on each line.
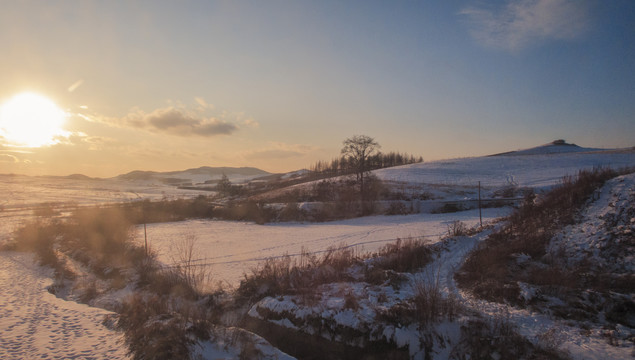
x,y
493,272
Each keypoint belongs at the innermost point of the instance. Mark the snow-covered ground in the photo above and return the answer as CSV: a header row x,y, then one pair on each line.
x,y
608,222
34,324
537,171
605,235
28,191
234,248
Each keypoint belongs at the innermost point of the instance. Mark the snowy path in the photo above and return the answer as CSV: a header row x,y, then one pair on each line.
x,y
529,324
35,324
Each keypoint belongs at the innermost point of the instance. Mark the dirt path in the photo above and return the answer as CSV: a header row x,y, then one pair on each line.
x,y
35,324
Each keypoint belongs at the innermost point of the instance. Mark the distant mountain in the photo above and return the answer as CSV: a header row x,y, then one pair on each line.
x,y
196,175
79,177
219,171
554,147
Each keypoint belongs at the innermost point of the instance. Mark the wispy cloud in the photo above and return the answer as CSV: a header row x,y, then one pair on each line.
x,y
79,138
278,150
522,23
202,103
8,158
75,85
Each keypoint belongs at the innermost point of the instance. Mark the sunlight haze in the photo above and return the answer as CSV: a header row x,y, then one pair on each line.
x,y
278,85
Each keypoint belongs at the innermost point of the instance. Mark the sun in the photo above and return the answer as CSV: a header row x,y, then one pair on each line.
x,y
31,120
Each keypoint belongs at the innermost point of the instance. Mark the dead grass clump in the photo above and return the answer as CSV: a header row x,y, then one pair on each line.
x,y
155,329
37,236
99,237
427,306
41,237
193,273
406,255
87,289
300,275
457,228
429,303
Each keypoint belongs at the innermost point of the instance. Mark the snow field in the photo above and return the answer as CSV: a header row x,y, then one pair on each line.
x,y
234,248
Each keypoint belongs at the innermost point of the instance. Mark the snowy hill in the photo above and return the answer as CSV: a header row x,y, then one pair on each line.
x,y
542,167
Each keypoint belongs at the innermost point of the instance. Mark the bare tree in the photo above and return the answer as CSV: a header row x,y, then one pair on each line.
x,y
358,149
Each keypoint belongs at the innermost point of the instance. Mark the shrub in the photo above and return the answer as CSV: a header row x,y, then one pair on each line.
x,y
152,331
457,228
196,276
38,236
292,212
429,303
246,211
397,208
448,208
102,234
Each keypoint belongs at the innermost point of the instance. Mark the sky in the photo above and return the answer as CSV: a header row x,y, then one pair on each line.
x,y
278,85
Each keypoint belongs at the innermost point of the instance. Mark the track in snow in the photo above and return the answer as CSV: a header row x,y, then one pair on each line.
x,y
34,324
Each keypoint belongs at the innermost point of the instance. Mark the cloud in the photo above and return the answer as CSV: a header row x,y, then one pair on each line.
x,y
75,85
522,23
279,150
176,121
250,122
202,103
78,138
8,158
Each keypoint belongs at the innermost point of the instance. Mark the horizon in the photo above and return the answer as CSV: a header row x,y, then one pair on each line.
x,y
279,86
175,170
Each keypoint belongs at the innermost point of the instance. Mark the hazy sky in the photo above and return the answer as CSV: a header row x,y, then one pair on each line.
x,y
168,85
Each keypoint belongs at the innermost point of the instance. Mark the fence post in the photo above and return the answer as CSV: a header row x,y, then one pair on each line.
x,y
480,216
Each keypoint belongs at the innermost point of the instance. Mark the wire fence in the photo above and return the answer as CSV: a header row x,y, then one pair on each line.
x,y
206,262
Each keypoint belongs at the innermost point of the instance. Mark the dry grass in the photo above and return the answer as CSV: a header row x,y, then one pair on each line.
x,y
171,315
429,303
159,328
492,272
485,339
299,275
407,255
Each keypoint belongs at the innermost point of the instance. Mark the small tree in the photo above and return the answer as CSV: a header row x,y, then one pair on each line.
x,y
358,149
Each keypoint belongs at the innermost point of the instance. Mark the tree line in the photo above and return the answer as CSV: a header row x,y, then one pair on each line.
x,y
345,165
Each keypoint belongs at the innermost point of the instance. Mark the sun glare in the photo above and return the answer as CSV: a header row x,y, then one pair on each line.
x,y
31,120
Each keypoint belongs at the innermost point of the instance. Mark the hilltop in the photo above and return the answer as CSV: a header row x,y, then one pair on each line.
x,y
555,147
